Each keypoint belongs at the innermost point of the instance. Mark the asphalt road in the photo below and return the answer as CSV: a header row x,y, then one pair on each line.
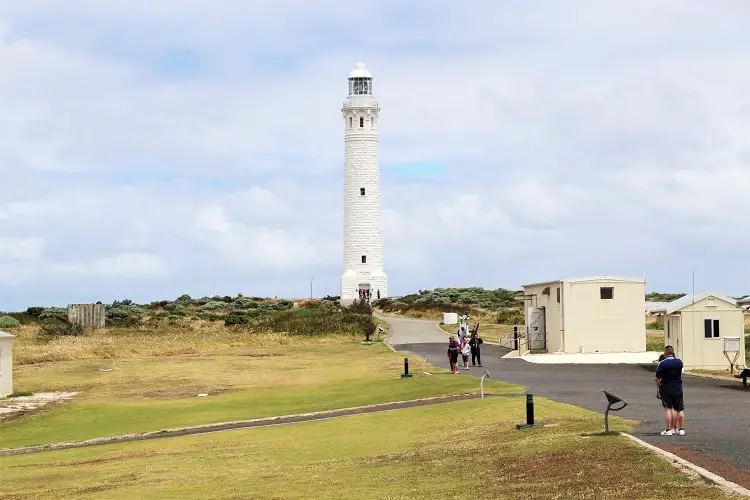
x,y
717,413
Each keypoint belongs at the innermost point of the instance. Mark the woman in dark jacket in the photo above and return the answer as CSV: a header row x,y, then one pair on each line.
x,y
453,349
474,342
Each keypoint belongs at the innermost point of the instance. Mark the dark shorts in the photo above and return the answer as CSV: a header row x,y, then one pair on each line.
x,y
672,400
453,356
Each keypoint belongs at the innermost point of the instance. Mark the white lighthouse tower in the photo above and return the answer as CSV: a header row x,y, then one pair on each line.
x,y
363,245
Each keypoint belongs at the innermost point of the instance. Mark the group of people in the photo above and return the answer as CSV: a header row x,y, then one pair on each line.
x,y
366,293
465,346
669,390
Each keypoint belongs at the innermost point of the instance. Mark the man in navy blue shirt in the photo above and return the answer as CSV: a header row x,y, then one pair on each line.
x,y
669,381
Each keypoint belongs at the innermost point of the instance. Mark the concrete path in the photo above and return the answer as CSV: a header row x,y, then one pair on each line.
x,y
717,413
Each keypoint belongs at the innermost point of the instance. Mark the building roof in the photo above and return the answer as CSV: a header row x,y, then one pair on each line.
x,y
590,279
744,301
360,71
6,335
689,300
655,306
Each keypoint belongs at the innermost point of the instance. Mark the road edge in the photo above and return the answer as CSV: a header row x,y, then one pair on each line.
x,y
681,462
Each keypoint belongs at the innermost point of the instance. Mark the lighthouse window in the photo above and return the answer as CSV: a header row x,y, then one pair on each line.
x,y
350,122
372,122
362,191
361,121
364,259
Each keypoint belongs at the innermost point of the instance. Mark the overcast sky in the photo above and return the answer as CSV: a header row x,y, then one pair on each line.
x,y
154,148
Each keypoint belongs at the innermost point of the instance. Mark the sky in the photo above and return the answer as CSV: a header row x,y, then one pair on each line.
x,y
151,149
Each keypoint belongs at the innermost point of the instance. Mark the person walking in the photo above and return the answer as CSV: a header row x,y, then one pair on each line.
x,y
465,350
453,348
669,381
474,343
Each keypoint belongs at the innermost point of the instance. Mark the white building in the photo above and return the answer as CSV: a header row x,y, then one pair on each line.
x,y
363,244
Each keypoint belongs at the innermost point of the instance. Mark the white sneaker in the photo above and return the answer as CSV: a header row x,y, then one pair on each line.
x,y
667,432
681,432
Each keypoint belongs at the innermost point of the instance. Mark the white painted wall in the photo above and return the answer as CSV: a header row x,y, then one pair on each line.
x,y
362,213
6,364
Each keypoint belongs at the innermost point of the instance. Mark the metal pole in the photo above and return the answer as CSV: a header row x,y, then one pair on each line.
x,y
529,409
481,383
311,284
515,338
424,365
606,419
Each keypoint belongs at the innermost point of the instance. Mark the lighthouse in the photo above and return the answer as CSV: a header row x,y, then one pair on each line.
x,y
363,274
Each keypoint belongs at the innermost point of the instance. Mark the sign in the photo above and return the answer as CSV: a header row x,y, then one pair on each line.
x,y
731,344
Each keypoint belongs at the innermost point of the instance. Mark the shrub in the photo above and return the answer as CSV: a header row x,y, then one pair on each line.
x,y
8,322
53,327
34,312
60,313
213,305
510,317
360,306
241,317
657,325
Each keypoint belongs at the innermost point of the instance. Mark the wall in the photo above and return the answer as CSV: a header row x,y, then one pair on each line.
x,y
6,366
87,315
602,325
699,352
552,311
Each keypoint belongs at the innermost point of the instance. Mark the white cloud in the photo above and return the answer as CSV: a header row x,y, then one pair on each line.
x,y
580,139
125,265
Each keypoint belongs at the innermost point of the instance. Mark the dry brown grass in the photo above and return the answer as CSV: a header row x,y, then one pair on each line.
x,y
187,338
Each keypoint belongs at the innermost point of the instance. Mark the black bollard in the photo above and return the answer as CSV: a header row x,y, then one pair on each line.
x,y
744,375
515,338
406,373
529,409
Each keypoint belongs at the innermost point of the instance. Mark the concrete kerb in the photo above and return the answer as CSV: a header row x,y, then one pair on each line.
x,y
245,424
714,377
681,462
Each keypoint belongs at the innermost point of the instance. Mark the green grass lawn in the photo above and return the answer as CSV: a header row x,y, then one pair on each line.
x,y
149,394
467,449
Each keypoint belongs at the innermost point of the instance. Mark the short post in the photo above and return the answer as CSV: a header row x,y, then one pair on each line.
x,y
481,383
406,373
529,414
515,338
424,366
743,374
529,409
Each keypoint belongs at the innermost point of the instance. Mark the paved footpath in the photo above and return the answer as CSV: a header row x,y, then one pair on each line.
x,y
717,414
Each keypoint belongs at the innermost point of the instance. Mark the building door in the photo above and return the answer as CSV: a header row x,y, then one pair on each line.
x,y
676,336
537,333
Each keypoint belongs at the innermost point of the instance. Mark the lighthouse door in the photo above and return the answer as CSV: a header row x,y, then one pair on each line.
x,y
363,291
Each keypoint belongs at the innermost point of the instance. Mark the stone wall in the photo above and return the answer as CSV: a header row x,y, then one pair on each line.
x,y
86,315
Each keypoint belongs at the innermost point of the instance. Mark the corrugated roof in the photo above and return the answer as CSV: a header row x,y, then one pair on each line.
x,y
6,335
591,279
688,300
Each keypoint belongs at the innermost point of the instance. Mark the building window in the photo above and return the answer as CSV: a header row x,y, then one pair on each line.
x,y
607,293
361,122
711,328
710,302
372,122
350,122
362,191
558,294
364,259
545,291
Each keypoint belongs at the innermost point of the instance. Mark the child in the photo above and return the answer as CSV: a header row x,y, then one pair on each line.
x,y
465,350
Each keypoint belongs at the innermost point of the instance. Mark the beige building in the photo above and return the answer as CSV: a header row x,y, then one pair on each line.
x,y
701,327
595,314
6,364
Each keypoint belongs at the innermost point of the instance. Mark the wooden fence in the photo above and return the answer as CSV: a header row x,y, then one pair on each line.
x,y
86,315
